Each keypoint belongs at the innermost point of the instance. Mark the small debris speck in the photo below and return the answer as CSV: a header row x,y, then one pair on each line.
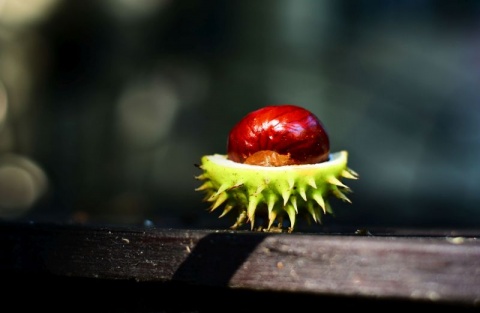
x,y
456,240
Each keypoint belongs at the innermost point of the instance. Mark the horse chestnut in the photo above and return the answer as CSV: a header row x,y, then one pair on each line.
x,y
279,135
278,165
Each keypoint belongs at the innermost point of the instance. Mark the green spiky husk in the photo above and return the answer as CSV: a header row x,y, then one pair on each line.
x,y
280,191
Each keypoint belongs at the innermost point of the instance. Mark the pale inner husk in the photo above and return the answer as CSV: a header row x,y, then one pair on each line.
x,y
221,159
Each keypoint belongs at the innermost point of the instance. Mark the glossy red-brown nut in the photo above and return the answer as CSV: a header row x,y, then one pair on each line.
x,y
288,130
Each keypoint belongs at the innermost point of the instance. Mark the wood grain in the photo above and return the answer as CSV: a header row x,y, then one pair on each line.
x,y
441,268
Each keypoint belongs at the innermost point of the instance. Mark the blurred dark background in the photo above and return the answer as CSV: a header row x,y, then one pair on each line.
x,y
105,106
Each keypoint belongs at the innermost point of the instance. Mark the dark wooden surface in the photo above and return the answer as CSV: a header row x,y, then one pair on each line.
x,y
439,268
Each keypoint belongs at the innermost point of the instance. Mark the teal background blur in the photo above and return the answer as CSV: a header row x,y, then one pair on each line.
x,y
106,106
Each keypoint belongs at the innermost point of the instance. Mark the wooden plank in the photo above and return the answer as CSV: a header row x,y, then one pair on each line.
x,y
441,268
